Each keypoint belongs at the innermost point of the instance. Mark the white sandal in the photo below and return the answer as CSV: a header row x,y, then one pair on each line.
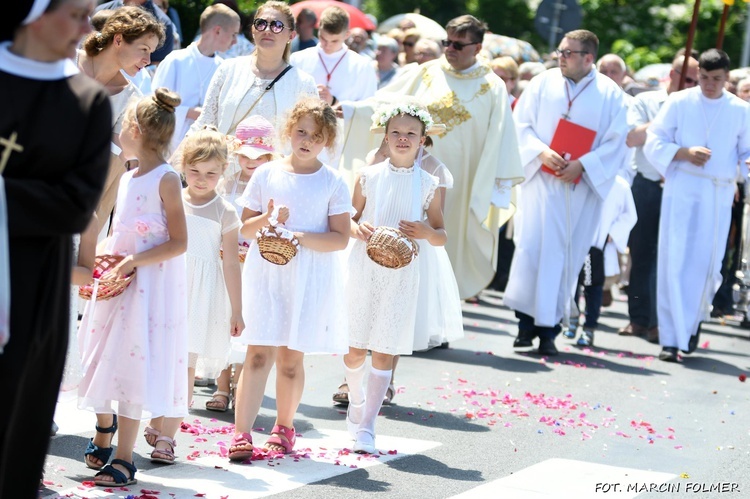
x,y
215,400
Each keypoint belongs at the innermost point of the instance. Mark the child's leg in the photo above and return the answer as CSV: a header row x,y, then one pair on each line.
x,y
153,429
219,401
191,381
102,440
354,372
290,381
164,449
377,385
252,385
126,435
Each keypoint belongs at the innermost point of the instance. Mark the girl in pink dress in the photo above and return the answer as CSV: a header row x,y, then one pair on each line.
x,y
134,346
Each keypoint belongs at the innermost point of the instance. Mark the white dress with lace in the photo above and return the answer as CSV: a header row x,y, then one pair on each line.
x,y
299,305
382,302
234,88
209,309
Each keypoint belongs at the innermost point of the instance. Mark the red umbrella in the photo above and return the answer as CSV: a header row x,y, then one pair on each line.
x,y
357,18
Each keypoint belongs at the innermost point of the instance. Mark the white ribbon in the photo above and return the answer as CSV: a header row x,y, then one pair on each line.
x,y
37,9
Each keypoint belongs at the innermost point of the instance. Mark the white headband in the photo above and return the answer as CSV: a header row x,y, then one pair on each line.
x,y
37,9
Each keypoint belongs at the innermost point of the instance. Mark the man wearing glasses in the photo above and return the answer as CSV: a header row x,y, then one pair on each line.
x,y
696,142
647,193
479,146
560,206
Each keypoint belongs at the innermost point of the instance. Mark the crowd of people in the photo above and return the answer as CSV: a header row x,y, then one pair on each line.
x,y
244,189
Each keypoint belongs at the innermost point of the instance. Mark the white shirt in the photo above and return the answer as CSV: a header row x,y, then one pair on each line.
x,y
644,108
352,76
187,72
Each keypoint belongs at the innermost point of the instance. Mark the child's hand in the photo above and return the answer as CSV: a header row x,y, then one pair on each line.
x,y
283,214
364,231
415,230
122,269
237,325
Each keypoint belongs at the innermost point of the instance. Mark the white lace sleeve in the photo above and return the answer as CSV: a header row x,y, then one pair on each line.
x,y
210,111
430,185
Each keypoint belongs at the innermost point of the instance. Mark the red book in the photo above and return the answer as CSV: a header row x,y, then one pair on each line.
x,y
570,141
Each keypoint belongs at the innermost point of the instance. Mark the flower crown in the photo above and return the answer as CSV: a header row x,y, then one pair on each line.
x,y
383,117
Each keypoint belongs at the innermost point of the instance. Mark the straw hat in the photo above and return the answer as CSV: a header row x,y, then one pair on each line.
x,y
256,137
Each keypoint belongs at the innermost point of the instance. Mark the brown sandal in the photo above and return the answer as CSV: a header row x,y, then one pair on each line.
x,y
220,401
341,397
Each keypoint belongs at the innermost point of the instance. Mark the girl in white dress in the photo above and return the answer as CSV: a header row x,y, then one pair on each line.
x,y
254,140
213,283
134,346
382,302
297,308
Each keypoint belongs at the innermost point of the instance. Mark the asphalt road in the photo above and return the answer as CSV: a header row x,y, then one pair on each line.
x,y
480,420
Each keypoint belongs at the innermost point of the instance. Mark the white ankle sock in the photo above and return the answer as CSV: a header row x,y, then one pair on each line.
x,y
377,385
355,380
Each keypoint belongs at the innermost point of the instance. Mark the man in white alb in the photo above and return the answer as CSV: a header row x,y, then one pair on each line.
x,y
341,74
647,193
557,217
699,142
188,71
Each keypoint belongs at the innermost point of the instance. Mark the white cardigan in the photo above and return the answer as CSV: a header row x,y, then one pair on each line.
x,y
234,88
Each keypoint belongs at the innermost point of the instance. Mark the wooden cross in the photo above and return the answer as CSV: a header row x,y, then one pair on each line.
x,y
10,146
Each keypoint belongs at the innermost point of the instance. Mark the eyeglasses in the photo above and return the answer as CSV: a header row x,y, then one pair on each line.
x,y
688,80
408,44
456,45
276,26
565,54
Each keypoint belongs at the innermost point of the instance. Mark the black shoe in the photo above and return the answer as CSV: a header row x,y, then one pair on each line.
x,y
547,347
693,342
524,339
668,354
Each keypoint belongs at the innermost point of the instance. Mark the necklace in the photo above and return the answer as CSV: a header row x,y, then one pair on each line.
x,y
709,126
325,68
566,115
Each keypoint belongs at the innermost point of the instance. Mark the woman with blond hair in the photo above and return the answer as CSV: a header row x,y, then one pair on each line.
x,y
262,83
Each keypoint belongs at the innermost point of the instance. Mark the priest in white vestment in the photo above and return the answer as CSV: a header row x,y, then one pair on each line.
x,y
479,147
189,71
697,142
557,218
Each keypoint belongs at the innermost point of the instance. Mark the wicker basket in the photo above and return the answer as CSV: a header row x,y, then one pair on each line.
x,y
241,251
391,248
108,287
274,248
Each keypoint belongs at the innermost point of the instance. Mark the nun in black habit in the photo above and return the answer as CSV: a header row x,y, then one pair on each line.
x,y
55,127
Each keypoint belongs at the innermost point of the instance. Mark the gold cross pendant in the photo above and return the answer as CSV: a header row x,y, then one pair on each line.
x,y
10,145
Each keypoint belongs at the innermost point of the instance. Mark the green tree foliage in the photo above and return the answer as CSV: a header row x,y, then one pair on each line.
x,y
190,13
655,29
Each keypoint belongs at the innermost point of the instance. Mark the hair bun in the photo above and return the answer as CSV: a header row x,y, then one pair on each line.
x,y
166,99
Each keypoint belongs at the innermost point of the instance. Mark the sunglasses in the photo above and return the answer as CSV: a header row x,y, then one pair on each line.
x,y
565,54
276,26
688,80
456,45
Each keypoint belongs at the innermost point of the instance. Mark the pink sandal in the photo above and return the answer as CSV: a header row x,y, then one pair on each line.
x,y
241,440
150,433
169,453
290,437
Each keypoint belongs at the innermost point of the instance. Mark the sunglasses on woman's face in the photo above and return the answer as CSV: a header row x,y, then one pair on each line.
x,y
276,26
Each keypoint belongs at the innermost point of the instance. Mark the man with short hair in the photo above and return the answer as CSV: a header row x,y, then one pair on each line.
x,y
479,146
188,71
341,74
647,193
696,143
612,66
560,205
305,27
